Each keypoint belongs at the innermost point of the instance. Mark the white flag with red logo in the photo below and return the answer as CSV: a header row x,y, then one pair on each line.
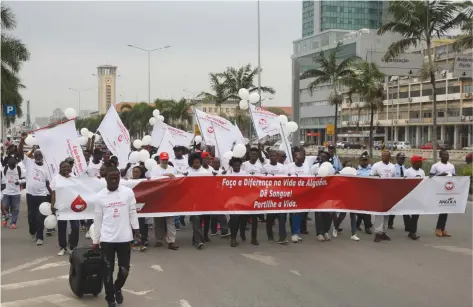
x,y
266,123
61,142
180,137
115,136
167,144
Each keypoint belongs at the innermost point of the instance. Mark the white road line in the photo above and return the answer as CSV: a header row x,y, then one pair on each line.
x,y
50,265
25,265
157,268
139,293
52,300
268,260
184,303
295,272
31,283
453,249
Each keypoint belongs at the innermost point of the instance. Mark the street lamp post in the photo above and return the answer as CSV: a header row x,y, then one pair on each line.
x,y
259,56
78,92
149,65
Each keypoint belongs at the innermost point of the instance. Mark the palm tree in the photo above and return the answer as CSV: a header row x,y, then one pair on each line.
x,y
243,77
464,41
136,117
334,72
14,53
367,83
220,91
420,22
181,111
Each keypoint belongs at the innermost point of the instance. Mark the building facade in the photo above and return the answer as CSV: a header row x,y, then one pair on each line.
x,y
107,77
319,16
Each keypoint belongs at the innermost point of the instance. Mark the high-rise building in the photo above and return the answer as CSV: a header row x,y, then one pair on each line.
x,y
319,16
107,76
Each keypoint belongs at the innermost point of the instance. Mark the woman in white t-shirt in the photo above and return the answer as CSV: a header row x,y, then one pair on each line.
x,y
442,168
413,172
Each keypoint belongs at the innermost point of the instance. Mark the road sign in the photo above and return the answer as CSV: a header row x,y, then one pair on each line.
x,y
463,67
10,110
405,64
330,129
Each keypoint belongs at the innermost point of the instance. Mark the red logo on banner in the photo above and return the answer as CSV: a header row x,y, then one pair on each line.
x,y
449,186
262,121
120,138
210,130
79,204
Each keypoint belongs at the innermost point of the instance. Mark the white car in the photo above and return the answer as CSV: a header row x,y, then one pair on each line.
x,y
469,148
403,145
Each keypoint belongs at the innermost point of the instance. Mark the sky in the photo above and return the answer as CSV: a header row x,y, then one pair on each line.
x,y
68,40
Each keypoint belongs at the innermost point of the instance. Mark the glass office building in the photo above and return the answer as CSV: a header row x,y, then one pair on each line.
x,y
318,16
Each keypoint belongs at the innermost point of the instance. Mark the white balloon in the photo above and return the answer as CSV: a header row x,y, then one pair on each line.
x,y
146,140
84,132
70,113
161,118
144,155
50,222
244,105
134,157
292,127
328,166
91,135
83,140
45,209
323,172
228,155
156,113
198,139
137,144
152,121
239,151
283,119
254,98
243,93
29,140
150,164
348,171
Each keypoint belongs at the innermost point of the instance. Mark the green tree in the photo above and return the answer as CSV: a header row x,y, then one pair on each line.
x,y
464,41
181,112
367,84
331,71
136,118
243,77
220,92
91,123
420,22
14,53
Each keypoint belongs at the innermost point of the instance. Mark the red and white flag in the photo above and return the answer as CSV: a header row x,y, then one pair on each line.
x,y
116,136
266,123
180,137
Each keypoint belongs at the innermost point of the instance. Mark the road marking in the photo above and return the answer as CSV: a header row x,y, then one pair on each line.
x,y
453,249
31,283
139,293
157,268
50,265
295,273
184,303
52,300
268,260
25,265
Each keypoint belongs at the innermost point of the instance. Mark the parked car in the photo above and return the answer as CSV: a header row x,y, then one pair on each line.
x,y
403,145
390,145
440,145
355,146
469,148
377,145
341,144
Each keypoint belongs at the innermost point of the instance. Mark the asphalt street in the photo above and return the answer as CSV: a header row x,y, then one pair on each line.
x,y
429,272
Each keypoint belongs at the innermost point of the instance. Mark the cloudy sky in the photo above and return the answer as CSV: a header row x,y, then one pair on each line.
x,y
68,40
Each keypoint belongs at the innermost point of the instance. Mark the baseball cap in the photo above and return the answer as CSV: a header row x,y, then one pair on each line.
x,y
415,159
364,155
330,146
400,155
205,154
163,156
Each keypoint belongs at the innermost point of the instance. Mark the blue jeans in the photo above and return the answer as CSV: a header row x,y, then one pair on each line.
x,y
296,223
282,218
177,221
11,203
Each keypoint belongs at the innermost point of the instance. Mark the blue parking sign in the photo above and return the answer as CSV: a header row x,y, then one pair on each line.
x,y
10,110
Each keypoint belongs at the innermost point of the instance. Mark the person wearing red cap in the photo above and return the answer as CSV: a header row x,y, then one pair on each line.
x,y
206,161
164,227
413,172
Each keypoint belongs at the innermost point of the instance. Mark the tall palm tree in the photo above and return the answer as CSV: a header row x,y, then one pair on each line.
x,y
181,111
220,92
136,117
367,83
243,77
420,22
13,54
464,41
334,72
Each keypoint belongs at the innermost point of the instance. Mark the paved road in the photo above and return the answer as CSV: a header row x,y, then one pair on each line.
x,y
402,273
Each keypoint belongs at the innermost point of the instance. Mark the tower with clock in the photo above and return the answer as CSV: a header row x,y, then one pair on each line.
x,y
106,75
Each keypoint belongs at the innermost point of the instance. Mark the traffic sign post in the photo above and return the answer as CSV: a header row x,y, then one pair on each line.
x,y
405,64
463,67
10,110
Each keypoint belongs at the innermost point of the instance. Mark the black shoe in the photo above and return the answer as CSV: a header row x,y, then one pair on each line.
x,y
305,232
339,229
390,227
368,231
413,236
283,241
199,245
119,297
233,243
112,304
206,238
243,237
254,241
377,238
385,237
225,234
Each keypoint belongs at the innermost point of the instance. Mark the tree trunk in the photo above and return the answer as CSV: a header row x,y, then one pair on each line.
x,y
434,103
370,139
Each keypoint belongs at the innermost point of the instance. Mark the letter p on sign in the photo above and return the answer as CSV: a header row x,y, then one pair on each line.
x,y
10,110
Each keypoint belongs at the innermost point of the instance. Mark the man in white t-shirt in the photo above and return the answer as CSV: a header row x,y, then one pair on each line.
x,y
93,168
382,169
415,171
116,223
253,166
180,162
164,227
12,177
442,168
274,167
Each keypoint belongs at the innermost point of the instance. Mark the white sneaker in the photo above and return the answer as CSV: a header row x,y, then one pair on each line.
x,y
33,238
320,238
61,252
334,233
294,239
326,237
87,235
39,242
355,238
299,238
